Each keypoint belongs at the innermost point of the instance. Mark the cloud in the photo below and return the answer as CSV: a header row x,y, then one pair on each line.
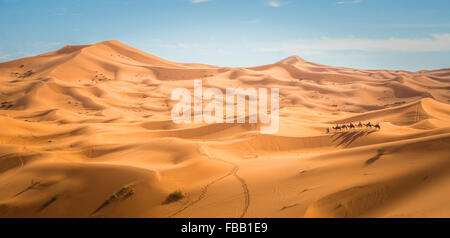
x,y
223,52
175,45
4,56
178,46
436,42
420,25
349,2
198,1
274,4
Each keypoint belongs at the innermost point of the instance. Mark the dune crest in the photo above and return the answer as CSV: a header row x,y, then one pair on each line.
x,y
87,132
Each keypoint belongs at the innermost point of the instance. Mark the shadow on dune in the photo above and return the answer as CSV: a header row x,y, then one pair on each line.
x,y
372,160
348,137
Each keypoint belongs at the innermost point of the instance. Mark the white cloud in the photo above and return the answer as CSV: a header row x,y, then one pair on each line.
x,y
421,25
178,46
437,42
4,56
223,52
274,4
349,2
199,1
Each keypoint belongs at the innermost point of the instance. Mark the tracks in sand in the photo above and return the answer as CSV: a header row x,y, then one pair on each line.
x,y
233,172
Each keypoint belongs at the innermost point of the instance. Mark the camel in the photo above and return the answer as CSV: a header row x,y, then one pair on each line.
x,y
368,125
351,126
344,126
360,125
377,126
337,127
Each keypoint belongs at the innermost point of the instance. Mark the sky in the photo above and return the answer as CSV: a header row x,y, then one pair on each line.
x,y
366,34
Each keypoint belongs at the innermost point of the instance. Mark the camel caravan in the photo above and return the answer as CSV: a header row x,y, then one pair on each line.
x,y
352,126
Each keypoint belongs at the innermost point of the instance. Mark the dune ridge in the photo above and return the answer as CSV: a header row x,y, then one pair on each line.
x,y
86,132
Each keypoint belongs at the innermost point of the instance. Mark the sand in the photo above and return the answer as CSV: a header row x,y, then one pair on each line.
x,y
85,131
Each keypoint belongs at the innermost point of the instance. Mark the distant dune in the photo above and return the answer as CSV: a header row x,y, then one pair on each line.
x,y
86,131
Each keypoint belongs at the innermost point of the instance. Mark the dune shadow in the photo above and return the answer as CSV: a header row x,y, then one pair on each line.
x,y
171,199
48,203
124,193
372,160
348,137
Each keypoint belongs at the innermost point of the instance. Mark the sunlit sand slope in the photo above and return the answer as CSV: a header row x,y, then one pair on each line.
x,y
86,131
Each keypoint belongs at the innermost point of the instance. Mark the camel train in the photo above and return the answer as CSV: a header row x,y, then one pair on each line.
x,y
353,126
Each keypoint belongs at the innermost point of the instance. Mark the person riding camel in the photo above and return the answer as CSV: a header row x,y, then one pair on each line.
x,y
337,127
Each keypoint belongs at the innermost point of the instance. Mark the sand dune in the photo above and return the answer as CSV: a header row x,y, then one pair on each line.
x,y
86,132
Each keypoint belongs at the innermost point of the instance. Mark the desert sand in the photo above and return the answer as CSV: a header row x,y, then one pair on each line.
x,y
86,131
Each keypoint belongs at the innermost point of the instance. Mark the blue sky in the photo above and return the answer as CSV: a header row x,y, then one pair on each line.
x,y
369,34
